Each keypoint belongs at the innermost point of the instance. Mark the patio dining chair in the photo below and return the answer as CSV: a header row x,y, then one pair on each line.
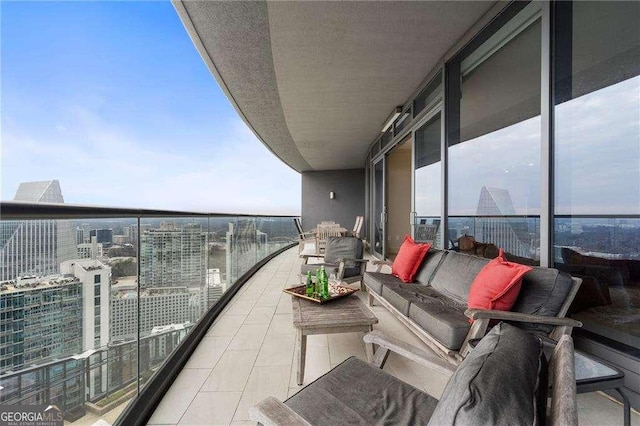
x,y
324,231
306,240
357,227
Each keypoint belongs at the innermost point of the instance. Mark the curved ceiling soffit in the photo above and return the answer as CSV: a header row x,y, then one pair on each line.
x,y
233,38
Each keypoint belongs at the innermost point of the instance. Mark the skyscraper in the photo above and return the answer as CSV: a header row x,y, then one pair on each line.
x,y
35,247
172,256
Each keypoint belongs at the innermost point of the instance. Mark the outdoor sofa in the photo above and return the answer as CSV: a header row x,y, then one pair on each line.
x,y
434,307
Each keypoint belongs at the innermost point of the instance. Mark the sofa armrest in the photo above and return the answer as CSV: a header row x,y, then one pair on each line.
x,y
271,412
387,343
381,263
563,394
476,314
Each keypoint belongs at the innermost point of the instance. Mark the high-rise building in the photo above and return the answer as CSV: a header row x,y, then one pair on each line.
x,y
45,318
94,276
35,247
158,307
91,250
172,256
104,236
41,319
79,235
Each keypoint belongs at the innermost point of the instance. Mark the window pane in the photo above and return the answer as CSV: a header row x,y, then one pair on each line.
x,y
494,145
597,163
428,181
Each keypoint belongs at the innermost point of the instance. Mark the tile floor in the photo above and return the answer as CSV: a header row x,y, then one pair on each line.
x,y
248,354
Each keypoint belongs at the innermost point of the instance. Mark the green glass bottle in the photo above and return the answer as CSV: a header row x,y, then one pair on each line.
x,y
324,283
309,287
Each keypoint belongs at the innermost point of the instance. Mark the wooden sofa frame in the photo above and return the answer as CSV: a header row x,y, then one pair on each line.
x,y
482,317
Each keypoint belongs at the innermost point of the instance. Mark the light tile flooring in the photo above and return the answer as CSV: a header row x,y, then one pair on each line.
x,y
248,354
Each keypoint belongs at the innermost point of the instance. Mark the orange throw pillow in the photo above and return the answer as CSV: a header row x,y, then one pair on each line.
x,y
409,258
497,285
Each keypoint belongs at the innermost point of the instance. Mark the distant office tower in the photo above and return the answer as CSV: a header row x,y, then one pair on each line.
x,y
172,256
40,319
35,247
158,307
245,247
104,236
94,276
215,286
79,235
92,250
504,229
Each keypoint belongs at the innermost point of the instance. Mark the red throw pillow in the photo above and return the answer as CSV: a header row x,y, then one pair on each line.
x,y
409,258
497,285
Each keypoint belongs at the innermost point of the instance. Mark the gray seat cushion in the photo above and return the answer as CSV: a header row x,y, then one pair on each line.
x,y
456,273
330,268
543,292
399,295
498,383
442,318
376,280
357,393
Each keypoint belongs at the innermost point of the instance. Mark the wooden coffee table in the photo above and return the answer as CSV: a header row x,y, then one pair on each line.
x,y
346,315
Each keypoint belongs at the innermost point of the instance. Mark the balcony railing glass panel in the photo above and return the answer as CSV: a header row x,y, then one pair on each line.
x,y
92,308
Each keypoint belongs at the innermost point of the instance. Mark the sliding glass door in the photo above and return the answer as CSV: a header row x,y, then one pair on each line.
x,y
379,208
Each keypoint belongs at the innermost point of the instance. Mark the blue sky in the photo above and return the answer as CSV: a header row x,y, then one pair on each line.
x,y
113,100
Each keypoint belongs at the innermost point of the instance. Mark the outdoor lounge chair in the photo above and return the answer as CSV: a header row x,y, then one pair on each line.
x,y
503,381
342,257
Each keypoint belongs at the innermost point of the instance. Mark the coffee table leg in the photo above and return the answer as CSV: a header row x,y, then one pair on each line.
x,y
368,347
302,353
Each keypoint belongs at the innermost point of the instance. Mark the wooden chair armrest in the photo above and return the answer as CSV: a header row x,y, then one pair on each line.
x,y
517,316
421,356
381,262
348,259
271,412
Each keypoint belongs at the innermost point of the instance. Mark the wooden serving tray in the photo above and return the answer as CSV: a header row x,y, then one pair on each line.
x,y
336,292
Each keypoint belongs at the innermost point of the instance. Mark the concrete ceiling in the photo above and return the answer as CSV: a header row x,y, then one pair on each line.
x,y
315,81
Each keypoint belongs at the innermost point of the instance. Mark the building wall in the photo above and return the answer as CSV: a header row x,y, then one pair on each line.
x,y
348,186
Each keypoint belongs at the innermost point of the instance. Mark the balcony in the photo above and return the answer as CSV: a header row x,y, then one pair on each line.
x,y
242,341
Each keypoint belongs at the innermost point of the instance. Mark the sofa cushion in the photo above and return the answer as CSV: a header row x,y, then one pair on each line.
x,y
456,273
442,318
409,259
429,266
543,292
357,393
497,284
398,295
497,383
376,280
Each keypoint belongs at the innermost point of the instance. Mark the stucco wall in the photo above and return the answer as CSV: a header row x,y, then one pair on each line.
x,y
348,186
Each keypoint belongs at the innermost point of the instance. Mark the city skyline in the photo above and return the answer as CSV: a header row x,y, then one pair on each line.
x,y
113,100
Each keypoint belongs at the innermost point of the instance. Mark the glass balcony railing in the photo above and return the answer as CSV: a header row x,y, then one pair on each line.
x,y
94,302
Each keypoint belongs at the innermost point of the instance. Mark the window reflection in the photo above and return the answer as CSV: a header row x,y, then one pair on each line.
x,y
597,164
494,146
